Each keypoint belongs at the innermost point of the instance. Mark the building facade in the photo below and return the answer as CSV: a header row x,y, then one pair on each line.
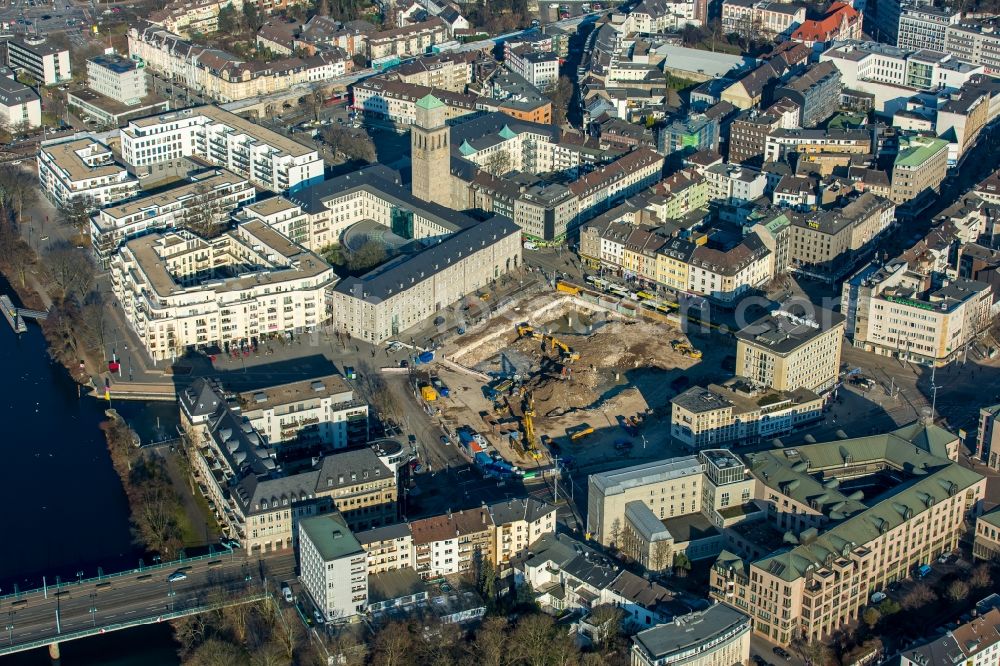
x,y
121,79
718,636
46,63
83,170
333,567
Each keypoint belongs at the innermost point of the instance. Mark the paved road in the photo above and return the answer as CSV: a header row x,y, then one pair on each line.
x,y
96,604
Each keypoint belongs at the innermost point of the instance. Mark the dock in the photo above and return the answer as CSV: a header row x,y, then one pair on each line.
x,y
10,313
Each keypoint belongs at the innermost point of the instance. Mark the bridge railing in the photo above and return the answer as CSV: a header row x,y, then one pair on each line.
x,y
149,619
144,569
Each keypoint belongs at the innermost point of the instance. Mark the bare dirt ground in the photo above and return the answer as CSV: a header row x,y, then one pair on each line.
x,y
626,370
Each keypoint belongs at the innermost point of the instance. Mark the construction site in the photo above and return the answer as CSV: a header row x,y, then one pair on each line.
x,y
574,380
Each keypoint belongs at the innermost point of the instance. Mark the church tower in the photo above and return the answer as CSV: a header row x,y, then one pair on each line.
x,y
430,152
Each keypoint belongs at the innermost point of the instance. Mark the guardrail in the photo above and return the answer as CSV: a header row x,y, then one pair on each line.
x,y
118,626
79,582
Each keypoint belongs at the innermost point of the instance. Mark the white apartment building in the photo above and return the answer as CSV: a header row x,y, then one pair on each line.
x,y
46,63
83,170
539,68
892,74
734,183
266,158
322,410
717,636
121,79
178,291
20,106
923,26
659,16
207,197
726,274
739,413
396,101
893,311
333,567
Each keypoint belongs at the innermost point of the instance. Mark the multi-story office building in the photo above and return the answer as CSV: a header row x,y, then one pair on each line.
x,y
389,300
717,636
333,567
988,437
977,42
924,26
725,273
796,346
828,244
847,546
739,413
179,291
83,170
20,106
748,136
121,79
204,201
986,542
816,92
315,412
919,168
267,159
688,135
44,61
894,310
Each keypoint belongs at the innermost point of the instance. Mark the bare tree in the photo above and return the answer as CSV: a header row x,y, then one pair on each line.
x,y
71,270
392,645
498,163
352,144
15,254
919,595
76,214
608,621
871,616
980,576
957,591
203,215
615,532
490,647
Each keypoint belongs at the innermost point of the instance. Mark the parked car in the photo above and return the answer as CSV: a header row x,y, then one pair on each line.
x,y
781,652
879,597
177,576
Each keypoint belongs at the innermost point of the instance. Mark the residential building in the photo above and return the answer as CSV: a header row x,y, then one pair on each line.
x,y
121,79
748,136
660,16
918,169
540,69
717,636
988,437
186,17
841,21
828,244
739,413
796,346
259,502
724,273
20,105
44,61
846,546
451,543
762,17
973,643
924,26
448,71
203,202
808,144
411,40
262,156
388,548
83,170
382,99
748,91
332,567
986,543
734,183
688,135
518,524
391,299
568,575
321,412
893,310
816,91
178,291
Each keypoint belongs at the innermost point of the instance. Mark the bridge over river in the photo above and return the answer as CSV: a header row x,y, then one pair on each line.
x,y
64,611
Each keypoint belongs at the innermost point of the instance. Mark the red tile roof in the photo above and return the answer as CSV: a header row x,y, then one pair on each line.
x,y
829,26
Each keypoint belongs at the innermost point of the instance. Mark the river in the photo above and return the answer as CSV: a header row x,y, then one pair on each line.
x,y
66,511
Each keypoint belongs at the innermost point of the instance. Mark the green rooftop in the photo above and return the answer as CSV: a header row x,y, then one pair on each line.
x,y
331,536
914,151
992,517
429,102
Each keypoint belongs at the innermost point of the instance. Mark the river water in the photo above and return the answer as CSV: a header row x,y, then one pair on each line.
x,y
64,510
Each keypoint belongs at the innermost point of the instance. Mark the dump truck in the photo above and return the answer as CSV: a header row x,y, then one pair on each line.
x,y
428,393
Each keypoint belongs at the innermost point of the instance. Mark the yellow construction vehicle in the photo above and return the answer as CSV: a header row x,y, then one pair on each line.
x,y
581,433
566,350
526,330
685,349
528,408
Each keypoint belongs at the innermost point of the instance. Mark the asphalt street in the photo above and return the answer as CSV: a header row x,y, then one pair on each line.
x,y
96,604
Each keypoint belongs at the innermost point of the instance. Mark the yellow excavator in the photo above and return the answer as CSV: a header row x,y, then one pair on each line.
x,y
528,408
526,331
685,348
567,351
